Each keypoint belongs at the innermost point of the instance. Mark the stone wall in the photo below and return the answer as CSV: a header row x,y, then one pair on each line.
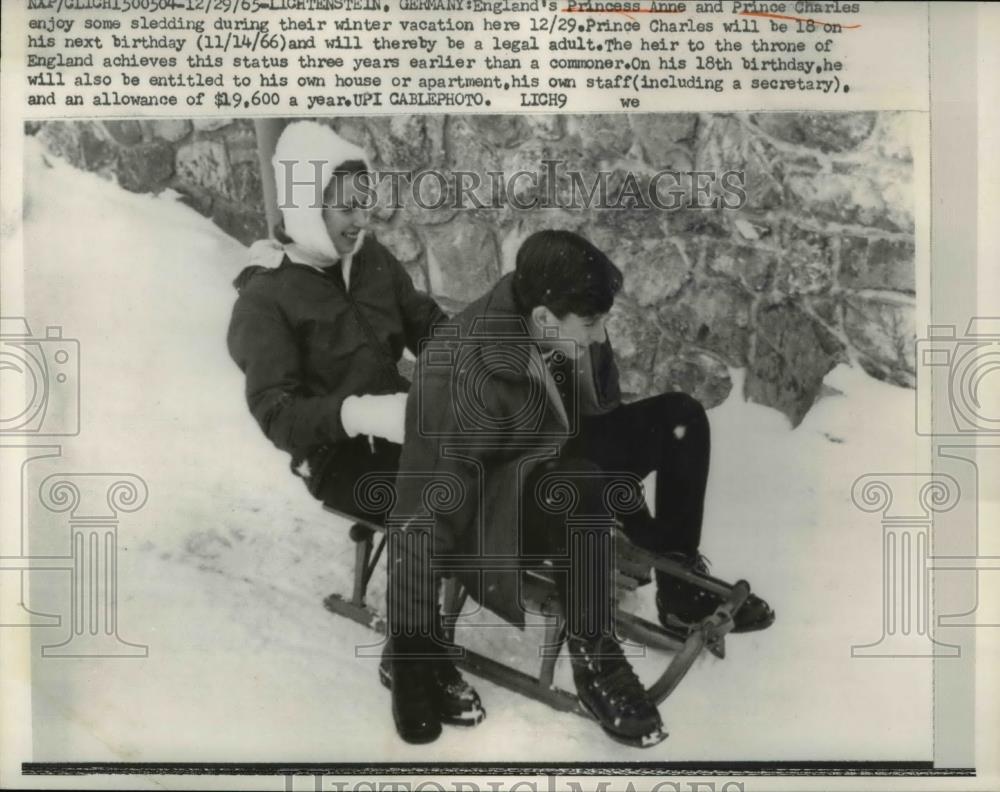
x,y
816,268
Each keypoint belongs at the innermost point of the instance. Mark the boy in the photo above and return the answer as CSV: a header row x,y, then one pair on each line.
x,y
510,346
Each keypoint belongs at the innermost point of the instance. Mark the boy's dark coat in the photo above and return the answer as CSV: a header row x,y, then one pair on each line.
x,y
494,370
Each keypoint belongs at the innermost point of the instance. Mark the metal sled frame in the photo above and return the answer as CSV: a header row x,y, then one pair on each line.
x,y
686,645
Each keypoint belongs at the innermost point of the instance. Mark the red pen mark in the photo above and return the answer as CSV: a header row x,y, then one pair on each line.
x,y
620,11
677,11
796,19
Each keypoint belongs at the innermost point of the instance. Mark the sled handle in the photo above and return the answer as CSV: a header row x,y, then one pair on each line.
x,y
710,630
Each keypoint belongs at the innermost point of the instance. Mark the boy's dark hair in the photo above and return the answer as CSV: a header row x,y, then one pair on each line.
x,y
565,273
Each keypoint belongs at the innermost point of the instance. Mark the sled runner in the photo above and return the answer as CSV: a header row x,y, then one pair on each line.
x,y
633,569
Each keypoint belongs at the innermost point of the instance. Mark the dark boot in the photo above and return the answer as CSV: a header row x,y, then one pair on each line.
x,y
414,692
456,702
609,689
685,604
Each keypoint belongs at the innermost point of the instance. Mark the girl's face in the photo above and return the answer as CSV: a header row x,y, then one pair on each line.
x,y
346,215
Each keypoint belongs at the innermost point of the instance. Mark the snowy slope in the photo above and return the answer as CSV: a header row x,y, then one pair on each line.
x,y
223,572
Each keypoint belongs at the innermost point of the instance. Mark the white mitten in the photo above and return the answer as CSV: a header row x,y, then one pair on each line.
x,y
266,253
382,416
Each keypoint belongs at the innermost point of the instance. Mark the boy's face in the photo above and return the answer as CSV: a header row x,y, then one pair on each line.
x,y
584,330
345,215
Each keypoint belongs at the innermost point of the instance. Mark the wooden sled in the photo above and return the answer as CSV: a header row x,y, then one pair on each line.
x,y
634,565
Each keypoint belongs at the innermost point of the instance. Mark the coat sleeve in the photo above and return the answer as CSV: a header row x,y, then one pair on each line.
x,y
419,310
262,344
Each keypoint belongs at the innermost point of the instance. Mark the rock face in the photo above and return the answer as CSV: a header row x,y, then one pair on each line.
x,y
795,254
451,251
699,374
713,315
792,353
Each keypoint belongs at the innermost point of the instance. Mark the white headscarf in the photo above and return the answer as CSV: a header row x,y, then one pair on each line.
x,y
307,152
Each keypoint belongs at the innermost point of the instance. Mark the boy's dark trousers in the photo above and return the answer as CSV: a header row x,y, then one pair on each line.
x,y
668,434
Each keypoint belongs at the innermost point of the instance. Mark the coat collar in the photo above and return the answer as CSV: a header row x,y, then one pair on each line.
x,y
496,321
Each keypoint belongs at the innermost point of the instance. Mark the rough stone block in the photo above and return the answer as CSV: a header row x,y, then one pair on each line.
x,y
659,133
604,137
203,164
402,241
545,127
654,271
407,142
693,222
145,167
753,267
713,314
848,200
633,337
792,354
493,132
878,264
827,132
893,136
633,383
883,331
170,129
82,144
245,186
245,226
127,133
806,263
725,145
211,124
698,374
463,259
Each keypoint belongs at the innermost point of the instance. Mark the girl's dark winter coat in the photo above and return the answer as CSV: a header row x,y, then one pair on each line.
x,y
306,344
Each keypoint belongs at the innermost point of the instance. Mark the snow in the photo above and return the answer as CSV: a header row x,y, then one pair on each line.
x,y
223,572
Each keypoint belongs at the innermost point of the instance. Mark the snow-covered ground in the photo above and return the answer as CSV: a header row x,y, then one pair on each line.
x,y
222,573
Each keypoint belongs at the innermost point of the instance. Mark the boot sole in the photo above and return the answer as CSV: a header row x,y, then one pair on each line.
x,y
448,720
672,621
419,738
645,741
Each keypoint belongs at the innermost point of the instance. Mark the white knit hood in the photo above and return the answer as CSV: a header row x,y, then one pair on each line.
x,y
301,144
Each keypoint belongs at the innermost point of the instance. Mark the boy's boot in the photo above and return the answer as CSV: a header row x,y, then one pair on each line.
x,y
683,603
415,690
612,693
456,702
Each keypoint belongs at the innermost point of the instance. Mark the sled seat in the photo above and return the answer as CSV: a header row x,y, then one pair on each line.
x,y
632,569
538,587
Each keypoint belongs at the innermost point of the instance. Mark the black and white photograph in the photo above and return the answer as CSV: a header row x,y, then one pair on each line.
x,y
724,304
344,442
